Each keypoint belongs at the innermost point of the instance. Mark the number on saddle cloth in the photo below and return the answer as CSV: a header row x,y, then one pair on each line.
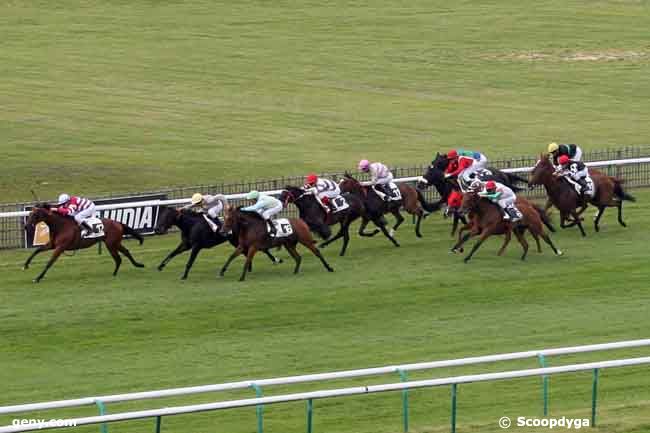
x,y
339,203
393,192
97,226
283,228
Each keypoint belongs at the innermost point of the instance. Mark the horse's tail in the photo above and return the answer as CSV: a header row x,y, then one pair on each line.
x,y
544,217
620,192
129,231
429,207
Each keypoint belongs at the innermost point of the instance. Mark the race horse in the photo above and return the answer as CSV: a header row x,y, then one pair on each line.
x,y
449,190
609,192
65,235
196,235
253,236
318,220
411,199
486,220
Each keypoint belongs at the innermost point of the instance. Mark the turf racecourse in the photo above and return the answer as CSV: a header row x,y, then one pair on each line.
x,y
115,96
81,332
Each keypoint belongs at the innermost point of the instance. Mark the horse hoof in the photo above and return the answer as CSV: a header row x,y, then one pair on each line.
x,y
160,268
330,270
466,260
36,280
559,253
183,278
391,232
279,261
139,265
25,268
418,235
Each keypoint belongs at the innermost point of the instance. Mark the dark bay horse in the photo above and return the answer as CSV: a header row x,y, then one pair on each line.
x,y
319,220
253,236
562,195
446,187
196,235
65,235
412,200
486,220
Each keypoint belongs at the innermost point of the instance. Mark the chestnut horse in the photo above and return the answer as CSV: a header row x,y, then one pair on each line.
x,y
561,194
486,220
65,235
253,236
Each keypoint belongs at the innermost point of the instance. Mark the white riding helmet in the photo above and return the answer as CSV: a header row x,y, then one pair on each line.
x,y
63,198
197,198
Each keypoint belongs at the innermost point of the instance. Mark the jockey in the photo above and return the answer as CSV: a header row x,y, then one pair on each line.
x,y
266,206
324,190
573,151
380,177
503,196
464,163
77,207
577,173
212,205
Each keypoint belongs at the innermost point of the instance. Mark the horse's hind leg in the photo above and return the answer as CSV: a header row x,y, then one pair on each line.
x,y
34,254
271,257
382,227
317,253
601,210
55,255
399,218
524,244
620,214
477,245
576,217
363,226
128,255
418,220
295,255
548,240
116,258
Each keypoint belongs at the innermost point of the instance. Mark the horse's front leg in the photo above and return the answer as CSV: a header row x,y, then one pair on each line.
x,y
249,260
34,254
55,255
234,254
181,248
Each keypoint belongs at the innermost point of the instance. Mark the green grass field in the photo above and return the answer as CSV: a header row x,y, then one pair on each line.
x,y
117,96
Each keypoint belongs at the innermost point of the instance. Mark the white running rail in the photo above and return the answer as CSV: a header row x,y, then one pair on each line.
x,y
279,191
357,390
87,401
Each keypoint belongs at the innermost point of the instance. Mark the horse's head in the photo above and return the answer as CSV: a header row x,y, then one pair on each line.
x,y
350,184
432,176
440,161
41,212
470,201
542,171
230,219
167,217
290,194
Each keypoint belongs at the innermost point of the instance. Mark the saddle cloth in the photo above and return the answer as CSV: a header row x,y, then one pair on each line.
x,y
98,228
393,192
283,228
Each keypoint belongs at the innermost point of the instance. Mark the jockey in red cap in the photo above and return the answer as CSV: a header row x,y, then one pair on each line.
x,y
503,196
324,190
464,163
577,174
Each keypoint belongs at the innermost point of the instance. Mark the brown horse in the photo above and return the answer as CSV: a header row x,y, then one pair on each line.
x,y
65,235
486,220
412,200
253,237
562,195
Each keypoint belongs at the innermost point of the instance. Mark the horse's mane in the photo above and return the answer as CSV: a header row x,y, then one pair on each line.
x,y
43,205
294,189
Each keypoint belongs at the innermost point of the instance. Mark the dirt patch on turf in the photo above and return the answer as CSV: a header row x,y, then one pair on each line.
x,y
574,56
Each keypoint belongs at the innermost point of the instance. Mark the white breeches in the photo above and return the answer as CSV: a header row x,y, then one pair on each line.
x,y
214,212
85,214
578,155
507,201
481,164
268,213
330,193
384,180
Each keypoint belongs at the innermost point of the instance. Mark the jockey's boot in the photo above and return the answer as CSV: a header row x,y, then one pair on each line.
x,y
272,230
86,229
514,213
505,214
382,195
